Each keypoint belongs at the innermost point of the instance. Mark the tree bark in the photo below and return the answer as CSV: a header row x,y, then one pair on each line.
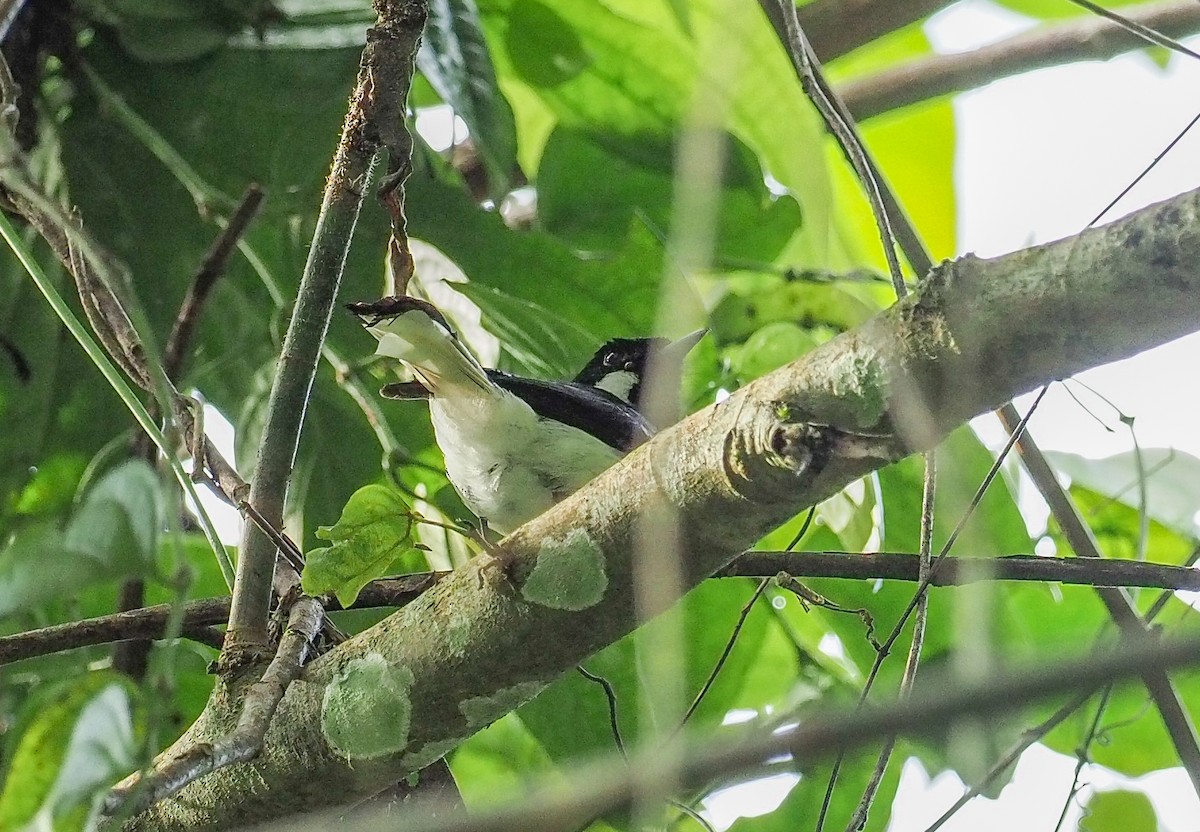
x,y
974,334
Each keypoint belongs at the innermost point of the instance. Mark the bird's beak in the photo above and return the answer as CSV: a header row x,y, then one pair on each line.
x,y
673,353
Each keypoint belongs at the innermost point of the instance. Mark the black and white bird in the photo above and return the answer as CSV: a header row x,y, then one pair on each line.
x,y
514,446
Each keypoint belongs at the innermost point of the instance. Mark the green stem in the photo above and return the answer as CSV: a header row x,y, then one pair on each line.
x,y
294,376
118,383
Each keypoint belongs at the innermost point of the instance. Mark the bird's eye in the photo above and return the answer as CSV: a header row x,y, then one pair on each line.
x,y
628,365
609,360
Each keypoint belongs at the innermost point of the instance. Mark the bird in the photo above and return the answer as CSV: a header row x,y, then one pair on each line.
x,y
515,446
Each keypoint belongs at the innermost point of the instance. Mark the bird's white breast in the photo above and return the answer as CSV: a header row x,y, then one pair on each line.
x,y
506,462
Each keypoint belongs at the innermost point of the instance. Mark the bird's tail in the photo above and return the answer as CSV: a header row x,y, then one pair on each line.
x,y
416,333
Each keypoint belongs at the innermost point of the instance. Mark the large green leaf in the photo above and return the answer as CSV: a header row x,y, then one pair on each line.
x,y
639,181
570,719
631,69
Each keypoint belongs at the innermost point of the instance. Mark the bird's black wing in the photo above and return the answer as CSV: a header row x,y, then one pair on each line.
x,y
616,423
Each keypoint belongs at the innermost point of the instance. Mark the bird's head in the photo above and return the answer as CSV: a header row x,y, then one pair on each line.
x,y
620,366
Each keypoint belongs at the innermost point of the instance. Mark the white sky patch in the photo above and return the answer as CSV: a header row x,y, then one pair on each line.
x,y
747,800
440,127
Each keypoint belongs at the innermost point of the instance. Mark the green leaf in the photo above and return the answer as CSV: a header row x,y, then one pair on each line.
x,y
570,718
1119,811
594,213
1056,9
454,57
113,534
755,300
375,528
71,752
631,68
802,805
121,518
769,348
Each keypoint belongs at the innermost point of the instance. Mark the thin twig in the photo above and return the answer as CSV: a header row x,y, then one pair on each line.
x,y
1076,40
138,792
720,663
610,696
782,14
1081,755
859,818
210,270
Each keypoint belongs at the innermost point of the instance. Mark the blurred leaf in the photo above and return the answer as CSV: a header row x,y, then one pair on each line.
x,y
375,528
503,760
121,517
113,534
454,57
1172,482
73,751
769,348
1119,811
594,213
765,299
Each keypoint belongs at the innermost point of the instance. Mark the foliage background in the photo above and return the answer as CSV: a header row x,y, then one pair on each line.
x,y
167,109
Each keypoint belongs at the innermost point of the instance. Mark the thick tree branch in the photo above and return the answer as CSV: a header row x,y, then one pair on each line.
x,y
974,334
1087,38
242,743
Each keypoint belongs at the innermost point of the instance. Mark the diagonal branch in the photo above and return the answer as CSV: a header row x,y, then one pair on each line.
x,y
1085,39
971,336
